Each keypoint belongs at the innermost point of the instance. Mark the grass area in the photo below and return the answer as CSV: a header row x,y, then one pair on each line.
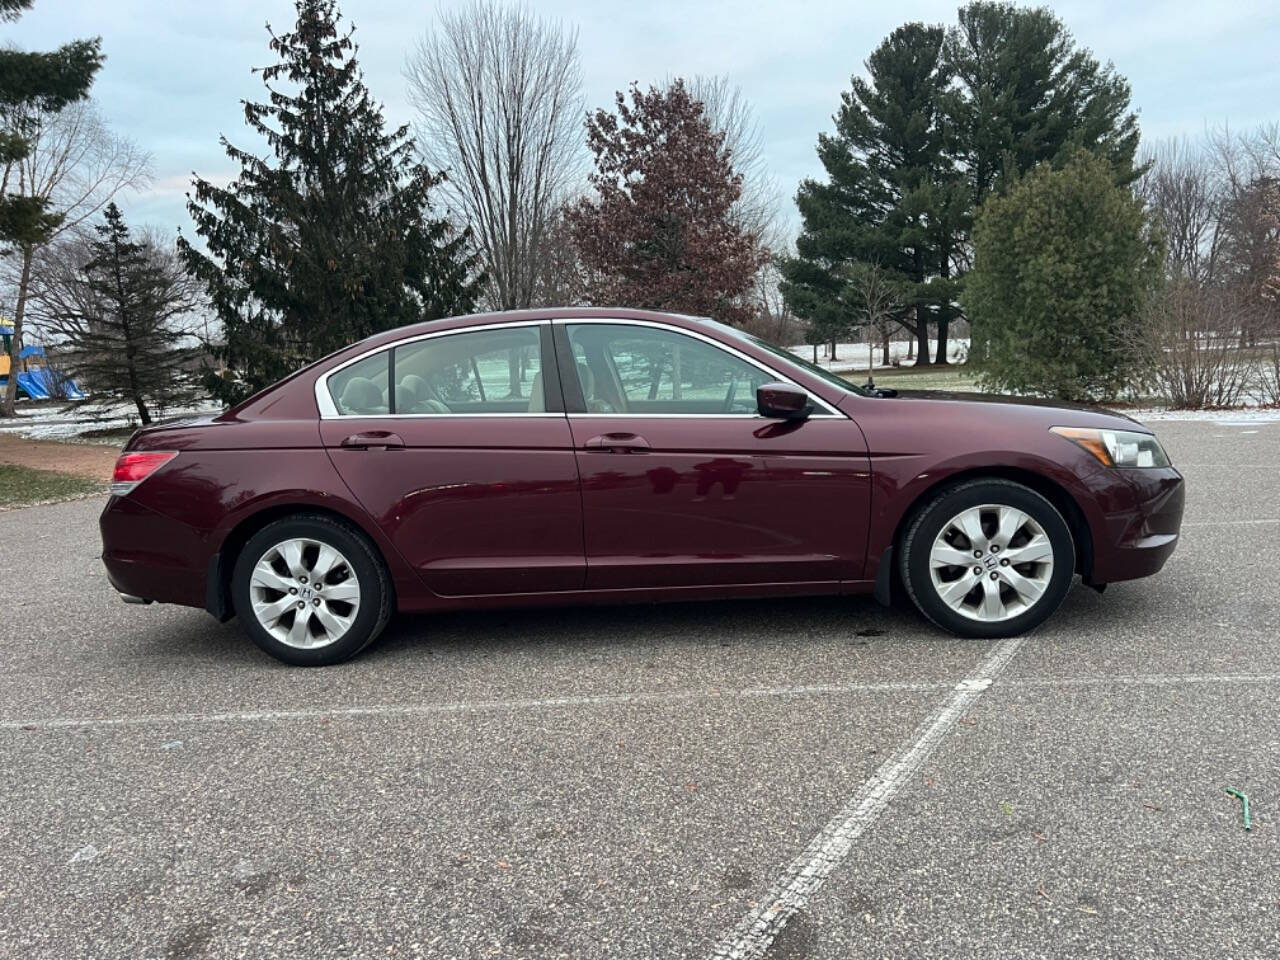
x,y
22,486
952,377
109,434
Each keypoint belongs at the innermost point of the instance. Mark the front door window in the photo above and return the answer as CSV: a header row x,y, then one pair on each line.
x,y
646,371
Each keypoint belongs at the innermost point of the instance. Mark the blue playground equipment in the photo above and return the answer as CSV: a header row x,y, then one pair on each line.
x,y
36,378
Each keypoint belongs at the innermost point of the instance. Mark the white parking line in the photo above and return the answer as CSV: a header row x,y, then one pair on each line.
x,y
809,871
469,706
1229,523
709,694
1152,680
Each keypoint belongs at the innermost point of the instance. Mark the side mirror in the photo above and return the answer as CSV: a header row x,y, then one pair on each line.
x,y
782,401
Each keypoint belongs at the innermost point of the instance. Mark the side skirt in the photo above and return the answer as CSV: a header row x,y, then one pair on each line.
x,y
636,595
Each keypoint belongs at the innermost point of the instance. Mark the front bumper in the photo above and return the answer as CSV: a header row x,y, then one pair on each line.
x,y
1140,537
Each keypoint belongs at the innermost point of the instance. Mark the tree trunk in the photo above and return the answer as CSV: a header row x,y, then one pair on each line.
x,y
15,345
922,337
514,363
884,343
911,348
815,353
144,415
833,348
943,324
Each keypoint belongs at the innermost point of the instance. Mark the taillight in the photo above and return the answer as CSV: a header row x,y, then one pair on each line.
x,y
133,468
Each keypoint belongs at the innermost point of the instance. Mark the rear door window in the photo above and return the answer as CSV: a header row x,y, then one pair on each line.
x,y
497,371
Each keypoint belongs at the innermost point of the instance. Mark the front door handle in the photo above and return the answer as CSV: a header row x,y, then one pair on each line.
x,y
373,439
617,443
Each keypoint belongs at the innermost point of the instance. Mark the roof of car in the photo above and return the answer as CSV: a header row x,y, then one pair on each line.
x,y
535,313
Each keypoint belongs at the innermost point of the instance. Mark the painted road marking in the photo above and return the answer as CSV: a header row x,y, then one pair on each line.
x,y
658,698
1229,523
710,694
809,871
1153,680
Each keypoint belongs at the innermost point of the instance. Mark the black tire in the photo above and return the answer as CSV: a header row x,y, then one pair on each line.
x,y
930,521
376,594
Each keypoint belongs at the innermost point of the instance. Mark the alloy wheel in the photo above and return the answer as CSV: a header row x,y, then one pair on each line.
x,y
304,593
991,562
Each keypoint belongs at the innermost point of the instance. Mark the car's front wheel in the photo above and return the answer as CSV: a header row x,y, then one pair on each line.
x,y
988,558
310,590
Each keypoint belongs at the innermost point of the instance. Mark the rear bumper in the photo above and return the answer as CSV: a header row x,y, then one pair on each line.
x,y
150,557
1139,539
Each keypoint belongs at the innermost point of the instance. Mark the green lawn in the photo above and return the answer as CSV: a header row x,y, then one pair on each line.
x,y
20,486
108,435
954,377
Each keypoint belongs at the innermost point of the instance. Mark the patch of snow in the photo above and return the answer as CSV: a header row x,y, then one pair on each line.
x,y
1227,418
55,421
853,356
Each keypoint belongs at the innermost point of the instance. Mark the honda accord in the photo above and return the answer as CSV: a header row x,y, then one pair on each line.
x,y
606,455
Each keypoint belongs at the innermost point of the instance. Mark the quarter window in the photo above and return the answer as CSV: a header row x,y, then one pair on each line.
x,y
648,370
360,390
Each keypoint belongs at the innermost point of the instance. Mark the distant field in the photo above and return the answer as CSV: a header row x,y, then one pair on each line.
x,y
952,377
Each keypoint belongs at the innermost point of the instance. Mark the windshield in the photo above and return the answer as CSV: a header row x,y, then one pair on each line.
x,y
784,354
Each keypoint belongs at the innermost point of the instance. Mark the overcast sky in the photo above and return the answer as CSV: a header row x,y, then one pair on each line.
x,y
177,69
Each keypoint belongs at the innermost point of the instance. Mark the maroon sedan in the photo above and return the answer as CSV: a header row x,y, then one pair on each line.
x,y
584,455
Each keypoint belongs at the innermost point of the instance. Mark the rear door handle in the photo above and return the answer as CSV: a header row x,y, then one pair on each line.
x,y
617,443
373,439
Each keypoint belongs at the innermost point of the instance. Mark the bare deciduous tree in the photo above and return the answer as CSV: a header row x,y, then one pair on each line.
x,y
499,93
1188,340
78,165
774,319
562,278
1216,316
1182,187
757,210
879,302
1249,222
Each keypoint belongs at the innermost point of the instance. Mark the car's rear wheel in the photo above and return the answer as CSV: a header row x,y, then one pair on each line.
x,y
988,558
310,590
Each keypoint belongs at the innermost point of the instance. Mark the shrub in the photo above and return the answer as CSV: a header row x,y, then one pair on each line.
x,y
1188,343
1062,264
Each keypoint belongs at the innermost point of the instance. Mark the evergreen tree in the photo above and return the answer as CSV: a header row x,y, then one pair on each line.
x,y
1030,96
893,196
334,238
133,341
1063,261
945,119
33,83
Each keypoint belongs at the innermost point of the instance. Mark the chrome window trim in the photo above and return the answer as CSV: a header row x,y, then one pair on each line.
x,y
778,377
329,411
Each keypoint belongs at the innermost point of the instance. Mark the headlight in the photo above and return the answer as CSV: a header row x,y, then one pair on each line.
x,y
1117,448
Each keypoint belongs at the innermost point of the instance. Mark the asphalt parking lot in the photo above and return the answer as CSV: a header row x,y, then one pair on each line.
x,y
788,779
